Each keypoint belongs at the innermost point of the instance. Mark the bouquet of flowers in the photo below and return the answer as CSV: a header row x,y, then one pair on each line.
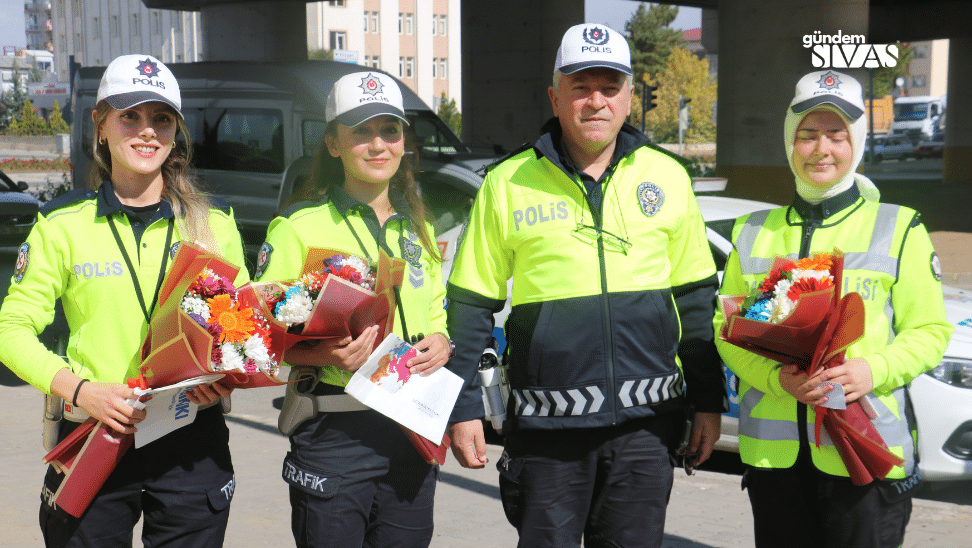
x,y
338,294
202,327
797,316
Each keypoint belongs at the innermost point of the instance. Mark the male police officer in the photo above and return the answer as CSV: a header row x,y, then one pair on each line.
x,y
613,294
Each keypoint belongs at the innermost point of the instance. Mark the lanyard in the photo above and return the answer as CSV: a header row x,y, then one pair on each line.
x,y
131,269
395,288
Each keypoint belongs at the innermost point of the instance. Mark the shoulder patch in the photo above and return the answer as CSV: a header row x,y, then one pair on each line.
x,y
263,259
173,250
70,198
936,266
23,260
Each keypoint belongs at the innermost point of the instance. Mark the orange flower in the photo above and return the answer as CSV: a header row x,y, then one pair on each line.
x,y
237,324
821,261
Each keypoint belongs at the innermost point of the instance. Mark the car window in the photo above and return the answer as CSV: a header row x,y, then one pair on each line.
x,y
313,134
240,139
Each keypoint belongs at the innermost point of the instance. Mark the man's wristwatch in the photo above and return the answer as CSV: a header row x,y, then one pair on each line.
x,y
452,348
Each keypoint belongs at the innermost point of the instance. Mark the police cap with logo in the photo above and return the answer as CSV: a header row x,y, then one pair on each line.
x,y
131,80
360,96
588,46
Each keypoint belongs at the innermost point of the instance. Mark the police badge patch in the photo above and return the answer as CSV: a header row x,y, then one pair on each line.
x,y
263,259
651,198
411,251
23,259
936,266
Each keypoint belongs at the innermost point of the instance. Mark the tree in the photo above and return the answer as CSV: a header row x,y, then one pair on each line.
x,y
57,121
12,103
450,114
29,123
688,76
651,40
320,55
884,77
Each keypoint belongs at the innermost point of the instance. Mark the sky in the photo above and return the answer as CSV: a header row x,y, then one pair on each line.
x,y
12,23
615,13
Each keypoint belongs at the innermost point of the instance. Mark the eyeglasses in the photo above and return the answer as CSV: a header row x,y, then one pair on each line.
x,y
612,242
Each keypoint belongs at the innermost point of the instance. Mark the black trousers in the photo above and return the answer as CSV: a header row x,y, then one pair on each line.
x,y
355,480
802,507
181,485
609,486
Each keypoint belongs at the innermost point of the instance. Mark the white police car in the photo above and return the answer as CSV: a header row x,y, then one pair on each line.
x,y
942,397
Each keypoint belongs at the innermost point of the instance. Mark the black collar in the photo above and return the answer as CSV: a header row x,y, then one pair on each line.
x,y
343,202
628,140
108,203
827,208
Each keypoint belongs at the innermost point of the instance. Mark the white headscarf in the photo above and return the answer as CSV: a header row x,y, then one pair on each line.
x,y
839,93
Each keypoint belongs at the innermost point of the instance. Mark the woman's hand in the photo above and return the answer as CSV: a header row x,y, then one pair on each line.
x,y
434,352
106,402
208,393
345,353
854,375
804,388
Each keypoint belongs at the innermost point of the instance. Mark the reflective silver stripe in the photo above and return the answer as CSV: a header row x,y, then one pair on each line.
x,y
895,431
763,429
746,241
650,390
557,403
878,255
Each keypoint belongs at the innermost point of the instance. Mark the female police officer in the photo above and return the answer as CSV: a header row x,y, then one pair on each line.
x,y
378,491
103,251
800,491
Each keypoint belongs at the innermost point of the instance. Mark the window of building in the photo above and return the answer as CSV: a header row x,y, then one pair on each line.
x,y
177,21
375,24
920,52
443,68
335,3
435,24
156,23
917,81
136,29
339,40
435,63
62,40
443,25
409,67
367,15
408,23
372,61
115,26
77,41
401,23
401,67
95,28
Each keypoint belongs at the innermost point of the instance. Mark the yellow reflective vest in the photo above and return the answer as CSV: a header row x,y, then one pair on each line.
x,y
71,255
890,262
322,224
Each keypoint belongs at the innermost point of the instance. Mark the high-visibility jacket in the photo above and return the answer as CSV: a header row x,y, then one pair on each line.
x,y
596,328
890,262
71,254
322,224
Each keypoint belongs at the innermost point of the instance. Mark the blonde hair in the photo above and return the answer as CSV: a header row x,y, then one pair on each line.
x,y
190,206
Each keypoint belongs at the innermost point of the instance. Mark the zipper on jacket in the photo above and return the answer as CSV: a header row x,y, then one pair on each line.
x,y
597,216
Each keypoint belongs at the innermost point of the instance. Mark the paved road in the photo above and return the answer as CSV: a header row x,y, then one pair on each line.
x,y
706,511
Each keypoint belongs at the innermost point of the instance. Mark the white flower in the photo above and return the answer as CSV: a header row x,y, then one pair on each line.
x,y
780,306
296,309
816,274
255,349
193,304
232,360
357,263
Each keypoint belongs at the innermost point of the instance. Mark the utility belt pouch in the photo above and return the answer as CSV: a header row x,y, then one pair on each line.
x,y
299,404
53,414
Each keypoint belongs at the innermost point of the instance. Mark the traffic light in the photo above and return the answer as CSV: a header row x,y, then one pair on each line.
x,y
648,97
683,113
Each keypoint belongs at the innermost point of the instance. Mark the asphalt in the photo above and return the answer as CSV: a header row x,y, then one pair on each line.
x,y
708,510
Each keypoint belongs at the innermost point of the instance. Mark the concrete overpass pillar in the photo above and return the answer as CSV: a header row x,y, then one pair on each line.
x,y
761,57
508,52
254,31
957,163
